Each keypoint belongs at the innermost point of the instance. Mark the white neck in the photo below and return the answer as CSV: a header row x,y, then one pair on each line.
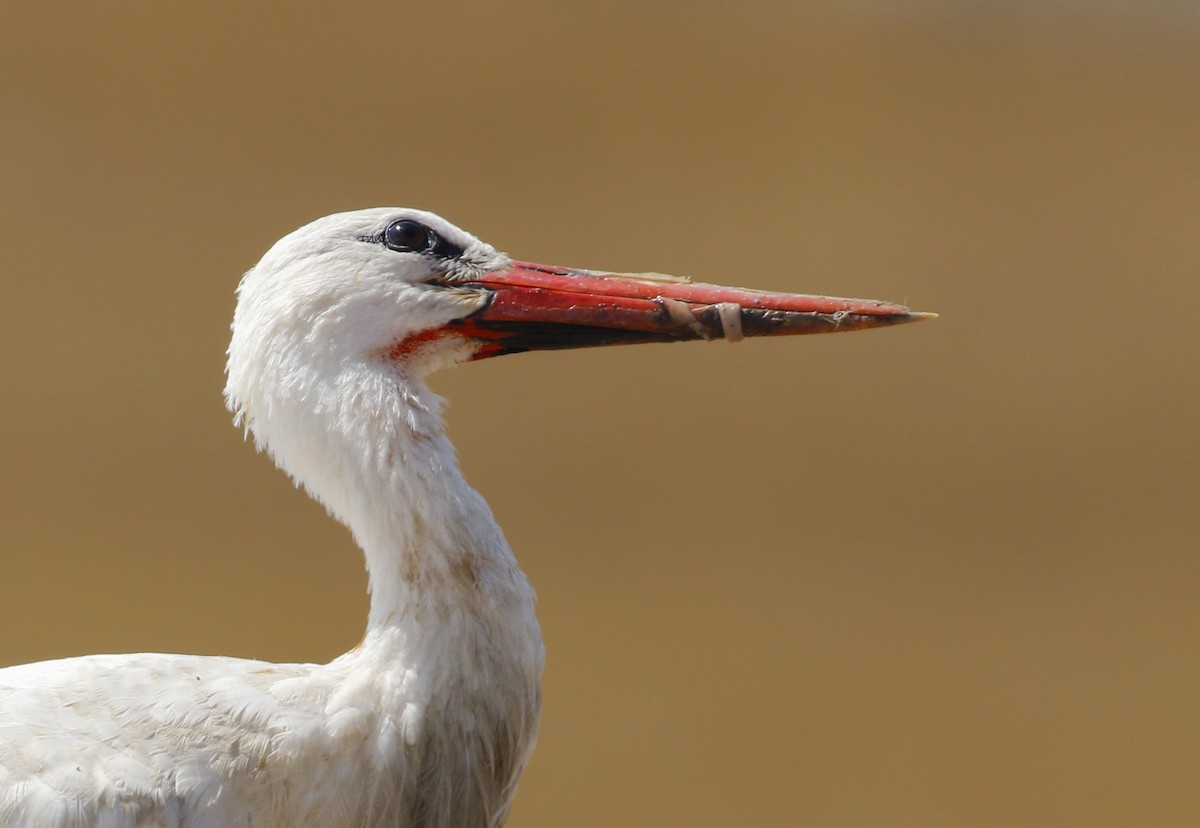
x,y
452,616
433,549
367,441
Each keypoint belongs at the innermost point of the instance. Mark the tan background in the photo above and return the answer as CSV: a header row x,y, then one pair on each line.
x,y
943,575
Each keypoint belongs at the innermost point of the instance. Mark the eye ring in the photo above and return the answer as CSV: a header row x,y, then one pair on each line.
x,y
408,236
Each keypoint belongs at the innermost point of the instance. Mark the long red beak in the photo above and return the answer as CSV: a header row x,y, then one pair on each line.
x,y
537,307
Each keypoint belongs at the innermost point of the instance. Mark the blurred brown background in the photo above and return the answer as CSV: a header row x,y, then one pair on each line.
x,y
942,575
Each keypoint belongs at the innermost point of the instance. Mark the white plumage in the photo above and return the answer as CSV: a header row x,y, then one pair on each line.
x,y
430,720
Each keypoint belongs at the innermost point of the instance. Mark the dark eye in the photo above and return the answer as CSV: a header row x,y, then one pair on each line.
x,y
408,236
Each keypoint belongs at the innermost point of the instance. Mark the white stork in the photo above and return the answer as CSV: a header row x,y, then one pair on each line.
x,y
428,722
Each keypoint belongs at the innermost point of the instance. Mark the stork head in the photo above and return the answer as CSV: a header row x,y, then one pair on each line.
x,y
349,287
395,293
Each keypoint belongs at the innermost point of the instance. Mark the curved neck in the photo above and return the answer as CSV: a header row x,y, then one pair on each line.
x,y
452,635
432,546
367,441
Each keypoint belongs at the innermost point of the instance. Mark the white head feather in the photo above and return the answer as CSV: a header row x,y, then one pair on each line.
x,y
315,322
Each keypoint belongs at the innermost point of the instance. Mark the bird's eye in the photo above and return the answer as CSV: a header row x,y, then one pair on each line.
x,y
408,236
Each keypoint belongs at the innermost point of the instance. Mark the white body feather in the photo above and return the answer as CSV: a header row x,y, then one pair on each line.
x,y
430,720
